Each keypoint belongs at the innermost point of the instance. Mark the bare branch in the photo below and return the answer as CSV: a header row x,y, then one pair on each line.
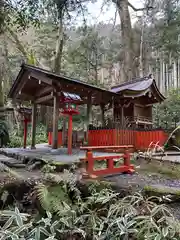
x,y
15,39
90,62
139,9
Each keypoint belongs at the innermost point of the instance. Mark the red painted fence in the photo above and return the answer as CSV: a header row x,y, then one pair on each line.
x,y
143,139
109,137
59,138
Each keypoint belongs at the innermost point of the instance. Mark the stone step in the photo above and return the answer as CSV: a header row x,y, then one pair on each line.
x,y
11,162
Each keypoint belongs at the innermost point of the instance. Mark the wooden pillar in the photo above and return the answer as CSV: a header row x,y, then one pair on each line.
x,y
114,109
88,116
70,135
55,122
89,113
25,132
64,131
102,114
122,115
33,127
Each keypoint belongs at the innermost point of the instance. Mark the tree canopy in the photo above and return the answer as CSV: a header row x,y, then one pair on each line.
x,y
167,114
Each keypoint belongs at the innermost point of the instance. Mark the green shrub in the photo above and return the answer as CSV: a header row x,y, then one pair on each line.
x,y
101,214
16,140
4,134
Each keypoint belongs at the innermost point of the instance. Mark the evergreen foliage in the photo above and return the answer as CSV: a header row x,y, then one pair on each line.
x,y
4,134
167,114
99,214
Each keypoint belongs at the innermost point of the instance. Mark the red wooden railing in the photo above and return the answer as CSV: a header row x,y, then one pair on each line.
x,y
110,168
141,140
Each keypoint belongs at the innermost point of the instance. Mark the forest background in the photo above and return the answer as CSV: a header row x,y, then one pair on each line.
x,y
101,42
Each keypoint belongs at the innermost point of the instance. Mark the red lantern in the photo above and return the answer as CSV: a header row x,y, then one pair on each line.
x,y
70,109
25,114
70,103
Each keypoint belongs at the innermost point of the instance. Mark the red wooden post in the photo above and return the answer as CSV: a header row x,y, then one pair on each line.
x,y
126,158
90,162
49,138
70,135
25,131
110,165
60,143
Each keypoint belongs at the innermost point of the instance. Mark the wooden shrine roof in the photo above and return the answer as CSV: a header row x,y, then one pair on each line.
x,y
39,85
142,87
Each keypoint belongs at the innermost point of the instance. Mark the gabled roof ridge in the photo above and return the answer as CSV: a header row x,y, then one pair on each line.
x,y
56,77
138,87
75,80
157,90
136,80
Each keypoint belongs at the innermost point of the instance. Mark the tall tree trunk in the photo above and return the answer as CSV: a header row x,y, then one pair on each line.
x,y
30,59
8,81
96,68
18,43
127,40
58,61
178,72
141,68
1,88
2,115
175,73
59,46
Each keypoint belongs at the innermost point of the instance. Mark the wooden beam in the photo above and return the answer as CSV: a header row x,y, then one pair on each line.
x,y
21,85
55,122
44,99
149,105
42,78
25,96
33,127
44,91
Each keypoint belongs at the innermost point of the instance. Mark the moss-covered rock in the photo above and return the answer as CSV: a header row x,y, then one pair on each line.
x,y
168,194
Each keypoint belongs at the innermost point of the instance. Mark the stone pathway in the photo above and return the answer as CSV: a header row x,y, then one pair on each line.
x,y
139,181
18,168
46,153
11,162
170,156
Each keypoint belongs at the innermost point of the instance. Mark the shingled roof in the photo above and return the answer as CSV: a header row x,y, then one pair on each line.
x,y
37,84
139,87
